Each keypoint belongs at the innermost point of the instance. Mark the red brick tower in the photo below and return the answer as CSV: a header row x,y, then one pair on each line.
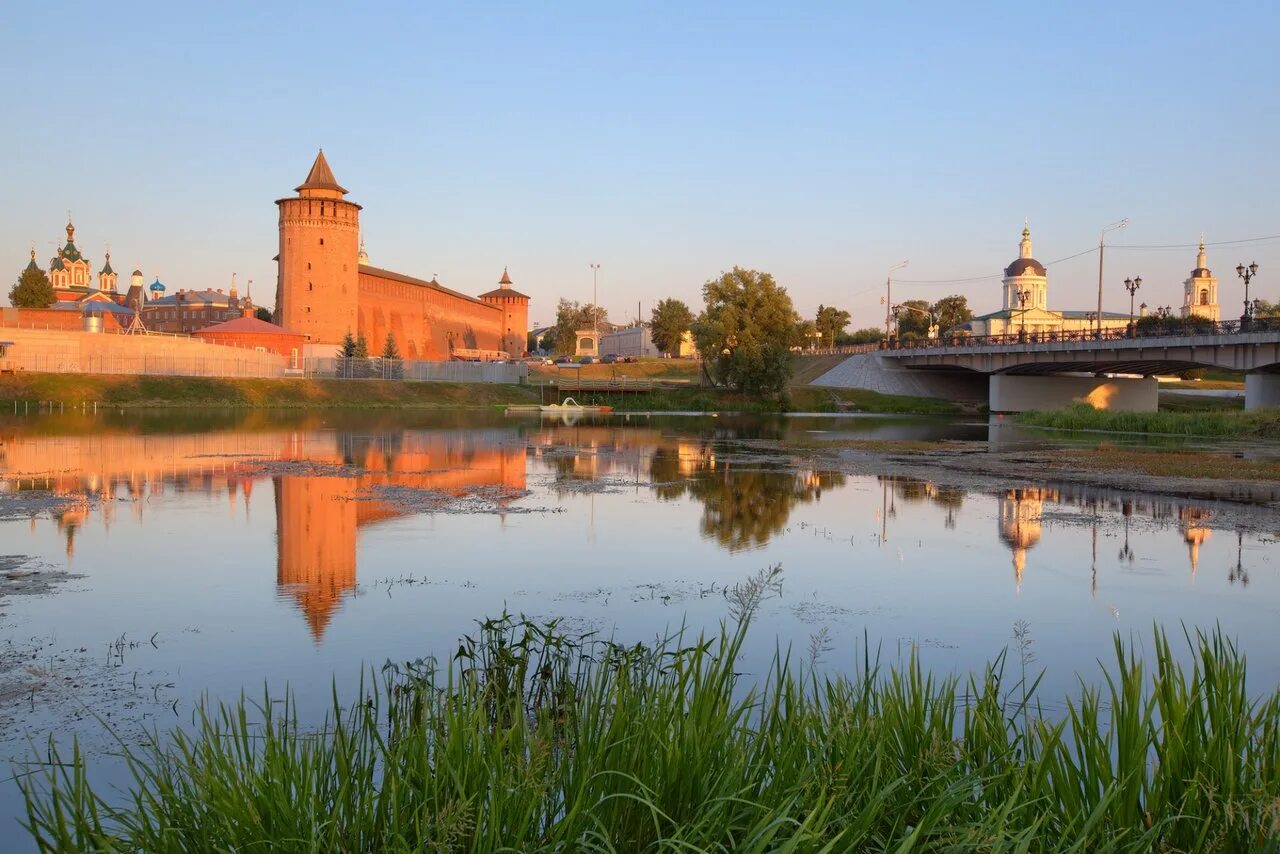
x,y
317,285
515,315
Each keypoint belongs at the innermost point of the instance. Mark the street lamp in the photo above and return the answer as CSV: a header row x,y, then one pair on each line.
x,y
888,298
1102,238
1023,296
1247,273
1132,285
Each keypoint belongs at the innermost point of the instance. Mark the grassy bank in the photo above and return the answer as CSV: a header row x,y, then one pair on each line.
x,y
1259,424
529,740
128,391
195,392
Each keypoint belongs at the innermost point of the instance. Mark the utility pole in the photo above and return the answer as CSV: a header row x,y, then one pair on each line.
x,y
888,299
595,309
1115,226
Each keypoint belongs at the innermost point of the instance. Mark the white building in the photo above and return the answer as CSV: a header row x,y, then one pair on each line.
x,y
1026,303
1200,290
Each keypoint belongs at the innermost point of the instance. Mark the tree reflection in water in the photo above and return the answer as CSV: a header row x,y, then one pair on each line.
x,y
743,504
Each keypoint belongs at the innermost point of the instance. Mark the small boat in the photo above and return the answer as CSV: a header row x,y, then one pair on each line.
x,y
572,406
522,408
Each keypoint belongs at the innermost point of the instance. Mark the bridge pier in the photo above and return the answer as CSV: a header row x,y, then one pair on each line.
x,y
1261,390
1019,392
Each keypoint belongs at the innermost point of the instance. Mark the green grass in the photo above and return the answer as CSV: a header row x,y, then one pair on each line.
x,y
529,740
132,391
795,399
1257,424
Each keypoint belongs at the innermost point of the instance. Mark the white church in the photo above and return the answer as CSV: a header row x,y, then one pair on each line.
x,y
1026,301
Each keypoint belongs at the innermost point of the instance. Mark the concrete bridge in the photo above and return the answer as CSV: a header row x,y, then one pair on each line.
x,y
1051,370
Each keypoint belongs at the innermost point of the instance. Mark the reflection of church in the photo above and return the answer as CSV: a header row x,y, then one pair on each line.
x,y
1019,512
1192,523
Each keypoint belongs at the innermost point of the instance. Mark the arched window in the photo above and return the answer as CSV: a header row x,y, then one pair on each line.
x,y
1204,296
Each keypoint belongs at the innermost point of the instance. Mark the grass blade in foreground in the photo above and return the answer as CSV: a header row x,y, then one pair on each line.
x,y
531,740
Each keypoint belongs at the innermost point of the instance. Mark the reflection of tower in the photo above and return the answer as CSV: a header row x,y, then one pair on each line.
x,y
1019,512
1191,522
316,543
1239,573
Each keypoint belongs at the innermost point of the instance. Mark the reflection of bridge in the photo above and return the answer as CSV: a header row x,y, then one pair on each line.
x,y
1048,370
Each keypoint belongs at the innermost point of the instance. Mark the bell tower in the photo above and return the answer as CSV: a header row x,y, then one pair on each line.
x,y
318,278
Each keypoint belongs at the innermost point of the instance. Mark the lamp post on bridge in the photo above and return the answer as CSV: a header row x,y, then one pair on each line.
x,y
1023,296
1132,285
1246,273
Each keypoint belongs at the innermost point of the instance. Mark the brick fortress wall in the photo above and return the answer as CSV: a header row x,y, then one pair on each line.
x,y
427,320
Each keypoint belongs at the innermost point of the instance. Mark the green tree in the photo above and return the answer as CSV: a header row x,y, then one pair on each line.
x,y
831,322
807,333
669,322
531,342
951,311
262,314
362,347
1267,309
869,335
348,348
392,365
746,331
570,317
32,289
915,323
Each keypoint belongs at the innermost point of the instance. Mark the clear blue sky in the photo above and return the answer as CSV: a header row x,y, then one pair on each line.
x,y
668,142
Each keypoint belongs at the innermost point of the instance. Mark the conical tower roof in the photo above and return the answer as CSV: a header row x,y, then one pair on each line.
x,y
321,177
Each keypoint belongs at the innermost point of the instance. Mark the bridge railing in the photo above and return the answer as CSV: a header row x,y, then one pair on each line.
x,y
1160,328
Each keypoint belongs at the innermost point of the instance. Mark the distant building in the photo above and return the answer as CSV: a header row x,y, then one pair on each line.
x,y
251,333
185,312
1026,304
628,341
1200,290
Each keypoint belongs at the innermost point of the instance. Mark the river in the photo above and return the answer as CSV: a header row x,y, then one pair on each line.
x,y
189,555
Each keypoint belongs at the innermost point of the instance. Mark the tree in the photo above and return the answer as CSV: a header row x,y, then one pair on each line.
x,y
951,311
807,332
362,347
348,348
262,314
869,335
570,317
1267,309
531,342
746,331
831,322
32,289
392,366
915,323
669,322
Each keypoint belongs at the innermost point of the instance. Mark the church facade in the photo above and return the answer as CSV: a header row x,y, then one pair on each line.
x,y
326,288
1026,304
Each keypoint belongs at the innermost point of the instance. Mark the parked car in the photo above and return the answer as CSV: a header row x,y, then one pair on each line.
x,y
587,360
564,360
609,359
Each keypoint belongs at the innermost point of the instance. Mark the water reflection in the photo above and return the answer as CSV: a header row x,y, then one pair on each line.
x,y
329,486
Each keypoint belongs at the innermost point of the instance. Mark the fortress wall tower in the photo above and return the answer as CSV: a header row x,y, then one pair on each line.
x,y
317,289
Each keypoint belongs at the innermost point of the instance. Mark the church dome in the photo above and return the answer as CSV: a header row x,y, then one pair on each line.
x,y
157,287
1022,265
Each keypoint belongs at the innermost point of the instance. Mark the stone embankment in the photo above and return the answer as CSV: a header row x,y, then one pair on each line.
x,y
873,372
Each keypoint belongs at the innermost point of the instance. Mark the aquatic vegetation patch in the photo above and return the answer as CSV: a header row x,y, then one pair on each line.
x,y
1254,424
529,738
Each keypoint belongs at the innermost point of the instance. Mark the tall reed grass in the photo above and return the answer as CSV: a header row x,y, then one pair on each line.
x,y
531,740
1255,424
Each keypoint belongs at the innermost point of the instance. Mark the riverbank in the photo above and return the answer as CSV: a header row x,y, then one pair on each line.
x,y
188,392
1215,423
74,390
530,739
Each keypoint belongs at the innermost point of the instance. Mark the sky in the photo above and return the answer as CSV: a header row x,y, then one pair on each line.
x,y
666,142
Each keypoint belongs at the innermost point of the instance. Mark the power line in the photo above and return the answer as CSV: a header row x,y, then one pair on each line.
x,y
1193,245
988,278
1089,251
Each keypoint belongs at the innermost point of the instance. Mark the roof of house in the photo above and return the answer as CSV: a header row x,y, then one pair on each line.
x,y
242,325
207,296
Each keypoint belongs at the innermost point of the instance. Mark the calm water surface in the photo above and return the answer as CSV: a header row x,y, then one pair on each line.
x,y
221,554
